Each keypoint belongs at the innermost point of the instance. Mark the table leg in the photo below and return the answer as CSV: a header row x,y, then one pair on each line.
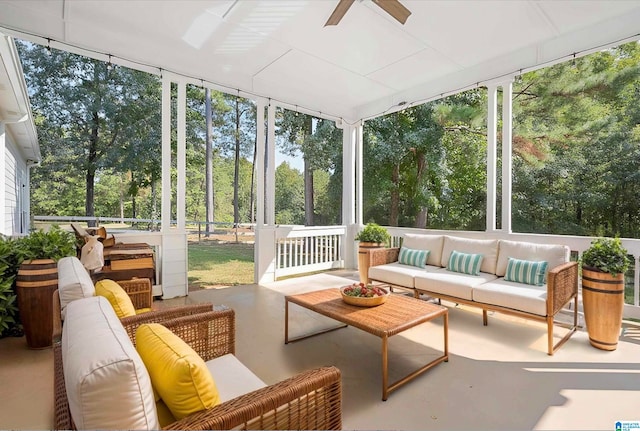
x,y
385,368
386,388
446,336
288,340
286,321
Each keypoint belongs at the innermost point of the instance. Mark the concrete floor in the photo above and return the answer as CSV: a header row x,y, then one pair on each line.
x,y
498,377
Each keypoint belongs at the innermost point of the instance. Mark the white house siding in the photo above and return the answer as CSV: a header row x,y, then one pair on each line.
x,y
15,190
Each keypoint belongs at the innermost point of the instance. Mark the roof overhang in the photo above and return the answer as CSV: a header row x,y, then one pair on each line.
x,y
367,65
15,109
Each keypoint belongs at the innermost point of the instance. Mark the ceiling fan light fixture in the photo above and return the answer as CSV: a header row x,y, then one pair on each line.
x,y
392,7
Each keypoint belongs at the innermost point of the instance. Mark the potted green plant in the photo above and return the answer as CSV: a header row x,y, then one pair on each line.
x,y
604,265
371,236
37,279
373,233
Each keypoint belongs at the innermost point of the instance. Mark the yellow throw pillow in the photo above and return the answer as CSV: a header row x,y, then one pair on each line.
x,y
177,372
117,297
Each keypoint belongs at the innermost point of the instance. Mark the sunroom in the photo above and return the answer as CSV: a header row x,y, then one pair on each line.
x,y
283,55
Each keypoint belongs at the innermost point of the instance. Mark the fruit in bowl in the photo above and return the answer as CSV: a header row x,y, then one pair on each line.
x,y
363,295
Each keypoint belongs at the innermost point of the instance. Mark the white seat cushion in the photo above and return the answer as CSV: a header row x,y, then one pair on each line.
x,y
451,283
398,274
108,386
232,377
488,248
518,296
74,282
553,254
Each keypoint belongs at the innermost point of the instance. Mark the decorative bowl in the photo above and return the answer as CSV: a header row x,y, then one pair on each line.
x,y
380,295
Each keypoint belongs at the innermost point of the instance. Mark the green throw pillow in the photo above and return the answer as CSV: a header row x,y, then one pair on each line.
x,y
465,263
409,256
526,271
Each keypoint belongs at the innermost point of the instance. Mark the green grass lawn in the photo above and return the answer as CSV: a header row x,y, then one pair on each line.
x,y
213,264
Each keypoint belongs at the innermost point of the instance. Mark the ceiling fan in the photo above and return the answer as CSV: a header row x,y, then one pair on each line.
x,y
392,7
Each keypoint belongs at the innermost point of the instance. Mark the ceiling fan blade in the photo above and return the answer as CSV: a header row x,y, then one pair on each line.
x,y
339,11
395,9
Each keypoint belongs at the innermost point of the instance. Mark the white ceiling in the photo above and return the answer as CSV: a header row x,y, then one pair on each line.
x,y
364,66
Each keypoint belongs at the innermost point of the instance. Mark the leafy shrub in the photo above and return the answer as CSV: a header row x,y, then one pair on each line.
x,y
372,232
606,255
8,269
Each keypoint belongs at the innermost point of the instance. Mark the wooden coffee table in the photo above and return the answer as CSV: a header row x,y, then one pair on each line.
x,y
397,314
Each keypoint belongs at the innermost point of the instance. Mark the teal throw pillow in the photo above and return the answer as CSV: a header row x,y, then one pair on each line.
x,y
526,271
465,263
409,256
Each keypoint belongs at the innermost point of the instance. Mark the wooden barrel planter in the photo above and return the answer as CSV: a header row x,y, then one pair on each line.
x,y
603,301
35,284
363,259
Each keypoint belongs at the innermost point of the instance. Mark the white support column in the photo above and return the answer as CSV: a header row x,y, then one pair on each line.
x,y
507,160
181,186
3,186
349,181
265,248
260,170
173,253
271,167
166,155
492,125
359,174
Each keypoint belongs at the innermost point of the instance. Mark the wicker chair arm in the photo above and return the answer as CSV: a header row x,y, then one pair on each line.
x,y
160,316
381,256
562,286
310,400
139,290
210,335
56,335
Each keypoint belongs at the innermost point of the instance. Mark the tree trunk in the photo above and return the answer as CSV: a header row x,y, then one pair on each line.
x,y
395,196
208,163
236,172
121,200
154,201
421,216
91,170
308,194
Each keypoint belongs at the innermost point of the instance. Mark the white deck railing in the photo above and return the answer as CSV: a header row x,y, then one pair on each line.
x,y
301,249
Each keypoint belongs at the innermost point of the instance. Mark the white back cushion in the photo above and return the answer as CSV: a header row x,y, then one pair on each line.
x,y
108,386
74,282
553,254
488,248
433,243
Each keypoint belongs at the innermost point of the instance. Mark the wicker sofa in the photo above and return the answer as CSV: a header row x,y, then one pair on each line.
x,y
489,289
109,388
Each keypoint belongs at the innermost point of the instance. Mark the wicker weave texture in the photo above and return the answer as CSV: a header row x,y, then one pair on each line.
x,y
562,286
139,290
382,256
309,400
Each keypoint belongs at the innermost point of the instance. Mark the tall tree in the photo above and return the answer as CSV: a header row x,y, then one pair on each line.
x,y
89,103
209,196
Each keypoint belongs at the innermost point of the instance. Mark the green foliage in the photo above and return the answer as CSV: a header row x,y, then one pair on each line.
x,y
373,232
289,199
607,255
8,269
53,244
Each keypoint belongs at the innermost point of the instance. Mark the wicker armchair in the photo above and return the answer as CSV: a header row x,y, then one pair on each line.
x,y
309,400
139,290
